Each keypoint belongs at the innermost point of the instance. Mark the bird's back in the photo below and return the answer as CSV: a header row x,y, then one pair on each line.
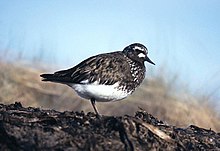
x,y
105,69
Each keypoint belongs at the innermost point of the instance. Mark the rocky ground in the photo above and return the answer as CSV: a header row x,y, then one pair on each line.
x,y
37,129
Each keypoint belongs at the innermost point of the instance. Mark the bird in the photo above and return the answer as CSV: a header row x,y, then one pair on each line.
x,y
106,77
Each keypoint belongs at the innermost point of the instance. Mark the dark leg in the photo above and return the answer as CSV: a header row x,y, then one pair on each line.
x,y
94,107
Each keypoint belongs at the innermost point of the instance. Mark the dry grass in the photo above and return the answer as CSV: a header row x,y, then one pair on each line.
x,y
155,96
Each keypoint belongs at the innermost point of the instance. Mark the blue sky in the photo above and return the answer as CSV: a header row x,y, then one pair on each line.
x,y
181,35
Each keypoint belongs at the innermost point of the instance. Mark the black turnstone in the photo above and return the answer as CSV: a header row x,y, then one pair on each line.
x,y
106,77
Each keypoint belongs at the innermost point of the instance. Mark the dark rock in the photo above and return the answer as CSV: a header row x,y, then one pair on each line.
x,y
37,129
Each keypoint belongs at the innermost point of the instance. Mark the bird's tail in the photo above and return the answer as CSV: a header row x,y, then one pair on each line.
x,y
55,78
49,77
59,77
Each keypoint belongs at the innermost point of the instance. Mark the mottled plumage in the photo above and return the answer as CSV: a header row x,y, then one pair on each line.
x,y
106,77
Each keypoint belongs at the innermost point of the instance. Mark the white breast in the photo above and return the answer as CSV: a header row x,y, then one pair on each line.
x,y
101,93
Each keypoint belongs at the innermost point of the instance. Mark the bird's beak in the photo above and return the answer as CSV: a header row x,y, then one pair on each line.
x,y
148,60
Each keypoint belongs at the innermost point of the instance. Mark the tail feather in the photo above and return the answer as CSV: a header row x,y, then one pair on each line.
x,y
47,77
55,78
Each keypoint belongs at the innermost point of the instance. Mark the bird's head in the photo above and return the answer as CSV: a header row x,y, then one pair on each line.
x,y
137,52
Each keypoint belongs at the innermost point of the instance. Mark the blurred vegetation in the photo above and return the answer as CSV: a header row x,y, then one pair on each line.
x,y
156,95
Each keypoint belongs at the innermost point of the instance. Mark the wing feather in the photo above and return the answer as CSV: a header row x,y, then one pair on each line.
x,y
104,69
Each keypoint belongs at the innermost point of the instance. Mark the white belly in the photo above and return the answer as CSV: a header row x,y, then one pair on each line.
x,y
101,93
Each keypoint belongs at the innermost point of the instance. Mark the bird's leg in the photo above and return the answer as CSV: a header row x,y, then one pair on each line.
x,y
94,107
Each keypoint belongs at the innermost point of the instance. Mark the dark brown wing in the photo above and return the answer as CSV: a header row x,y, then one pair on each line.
x,y
104,68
